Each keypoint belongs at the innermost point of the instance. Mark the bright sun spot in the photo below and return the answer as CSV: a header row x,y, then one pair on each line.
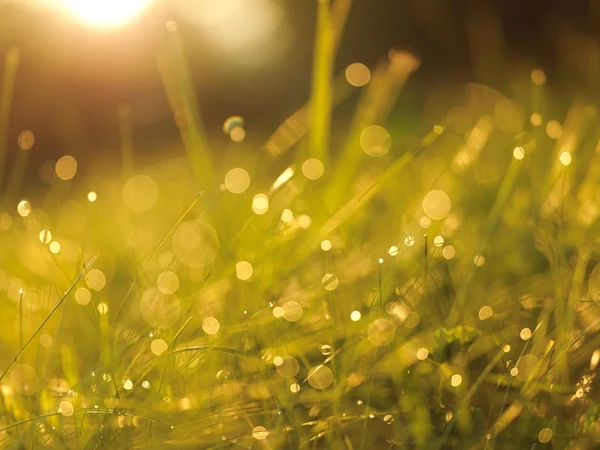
x,y
104,13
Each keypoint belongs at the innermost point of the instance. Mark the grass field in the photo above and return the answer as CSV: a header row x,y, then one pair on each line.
x,y
360,287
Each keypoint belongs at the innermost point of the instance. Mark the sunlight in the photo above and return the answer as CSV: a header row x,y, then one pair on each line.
x,y
104,13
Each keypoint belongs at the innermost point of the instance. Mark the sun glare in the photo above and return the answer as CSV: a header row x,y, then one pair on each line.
x,y
104,13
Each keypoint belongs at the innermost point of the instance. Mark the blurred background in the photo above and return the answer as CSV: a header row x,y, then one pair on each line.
x,y
299,224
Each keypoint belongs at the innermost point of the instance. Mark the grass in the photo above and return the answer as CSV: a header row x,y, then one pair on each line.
x,y
478,321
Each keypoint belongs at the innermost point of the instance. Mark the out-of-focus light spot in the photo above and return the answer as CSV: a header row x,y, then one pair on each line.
x,y
24,379
66,167
66,408
292,311
167,282
295,388
237,134
438,129
381,332
96,279
375,141
436,204
92,196
24,208
171,26
538,77
456,380
146,384
158,346
479,260
393,250
158,309
506,348
595,359
127,384
278,312
140,193
237,180
313,169
438,241
287,215
519,153
514,371
260,433
46,340
425,222
380,260
485,313
25,140
326,245
283,178
304,221
103,308
45,236
409,241
287,367
320,377
565,158
579,393
195,243
260,204
104,13
278,360
525,334
326,349
358,74
545,435
412,320
554,129
54,247
536,119
448,252
330,282
210,325
243,270
83,296
422,354
355,316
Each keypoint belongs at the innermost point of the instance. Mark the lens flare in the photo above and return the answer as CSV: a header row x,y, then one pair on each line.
x,y
104,13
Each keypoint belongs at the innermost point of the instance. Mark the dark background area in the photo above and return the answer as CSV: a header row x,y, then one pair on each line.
x,y
72,79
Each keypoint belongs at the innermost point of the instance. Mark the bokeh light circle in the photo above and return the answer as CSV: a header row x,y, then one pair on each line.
x,y
195,243
66,167
320,377
381,332
375,141
288,367
140,193
292,311
436,204
167,282
210,325
313,169
237,180
158,309
358,74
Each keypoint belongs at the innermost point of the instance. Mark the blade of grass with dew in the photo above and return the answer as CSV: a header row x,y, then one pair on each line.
x,y
501,201
320,104
9,78
385,86
142,270
179,88
48,317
